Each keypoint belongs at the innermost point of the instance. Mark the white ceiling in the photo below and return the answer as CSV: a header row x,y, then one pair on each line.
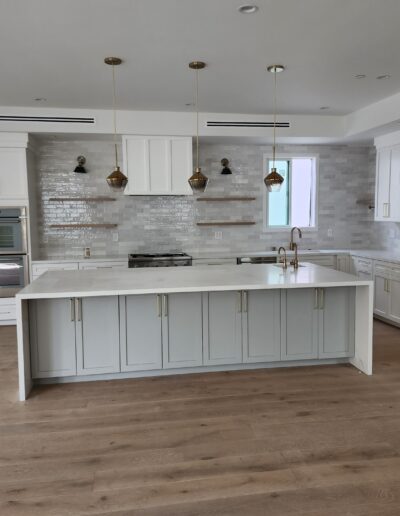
x,y
55,49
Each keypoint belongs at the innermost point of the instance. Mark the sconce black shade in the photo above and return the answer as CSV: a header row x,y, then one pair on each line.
x,y
80,169
226,170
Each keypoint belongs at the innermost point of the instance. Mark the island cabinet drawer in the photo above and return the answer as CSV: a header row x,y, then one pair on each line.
x,y
74,336
123,264
317,323
161,331
40,268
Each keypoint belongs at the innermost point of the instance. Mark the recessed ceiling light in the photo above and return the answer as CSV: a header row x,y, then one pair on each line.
x,y
324,108
360,76
247,9
384,76
39,99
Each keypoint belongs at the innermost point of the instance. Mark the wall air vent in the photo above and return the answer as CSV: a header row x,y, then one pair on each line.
x,y
48,119
247,124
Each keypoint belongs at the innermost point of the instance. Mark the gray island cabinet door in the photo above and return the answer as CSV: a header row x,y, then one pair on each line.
x,y
299,324
140,320
222,325
52,331
97,335
182,334
261,326
336,322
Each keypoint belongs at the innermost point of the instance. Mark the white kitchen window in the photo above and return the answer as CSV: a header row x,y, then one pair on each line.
x,y
295,203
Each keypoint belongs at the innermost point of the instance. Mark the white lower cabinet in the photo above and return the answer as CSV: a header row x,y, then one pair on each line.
x,y
299,329
387,291
161,331
74,336
52,333
327,315
336,331
141,344
97,335
182,336
222,328
261,330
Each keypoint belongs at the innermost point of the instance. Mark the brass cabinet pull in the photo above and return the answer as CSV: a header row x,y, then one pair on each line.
x,y
72,308
165,305
158,305
386,206
245,301
78,308
239,302
322,299
388,285
384,284
316,297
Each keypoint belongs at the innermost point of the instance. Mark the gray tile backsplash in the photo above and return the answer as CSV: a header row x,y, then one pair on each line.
x,y
164,223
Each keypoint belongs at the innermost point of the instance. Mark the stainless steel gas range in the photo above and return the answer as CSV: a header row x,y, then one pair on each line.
x,y
159,260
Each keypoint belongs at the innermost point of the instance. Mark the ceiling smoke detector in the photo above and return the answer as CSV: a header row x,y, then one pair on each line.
x,y
247,9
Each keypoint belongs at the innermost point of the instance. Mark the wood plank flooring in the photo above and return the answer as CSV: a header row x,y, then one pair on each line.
x,y
315,441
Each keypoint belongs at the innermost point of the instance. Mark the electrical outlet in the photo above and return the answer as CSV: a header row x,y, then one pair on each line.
x,y
115,237
330,232
218,235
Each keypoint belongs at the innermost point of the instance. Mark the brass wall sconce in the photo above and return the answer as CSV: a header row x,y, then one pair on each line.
x,y
80,169
225,170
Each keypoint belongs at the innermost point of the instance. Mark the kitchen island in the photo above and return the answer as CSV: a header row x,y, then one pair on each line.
x,y
92,324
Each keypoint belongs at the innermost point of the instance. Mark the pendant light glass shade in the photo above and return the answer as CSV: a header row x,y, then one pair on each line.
x,y
273,181
198,181
116,180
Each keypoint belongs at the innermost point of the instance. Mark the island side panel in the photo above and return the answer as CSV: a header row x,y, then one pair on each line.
x,y
364,329
24,356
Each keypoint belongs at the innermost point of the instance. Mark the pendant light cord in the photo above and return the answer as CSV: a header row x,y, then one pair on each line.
x,y
197,117
115,116
273,148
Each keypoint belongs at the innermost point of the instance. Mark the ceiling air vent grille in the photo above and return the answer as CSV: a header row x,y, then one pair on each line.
x,y
248,124
48,119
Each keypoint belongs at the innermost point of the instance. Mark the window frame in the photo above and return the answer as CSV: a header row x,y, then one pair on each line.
x,y
267,157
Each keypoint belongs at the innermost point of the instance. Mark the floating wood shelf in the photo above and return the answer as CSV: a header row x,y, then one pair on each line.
x,y
82,199
72,226
224,199
227,223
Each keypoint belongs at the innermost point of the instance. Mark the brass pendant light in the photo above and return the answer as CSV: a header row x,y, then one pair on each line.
x,y
116,180
273,181
198,181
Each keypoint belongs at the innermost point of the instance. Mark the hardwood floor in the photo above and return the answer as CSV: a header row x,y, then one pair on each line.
x,y
318,441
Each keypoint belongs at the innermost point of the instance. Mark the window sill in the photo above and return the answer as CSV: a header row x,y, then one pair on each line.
x,y
280,229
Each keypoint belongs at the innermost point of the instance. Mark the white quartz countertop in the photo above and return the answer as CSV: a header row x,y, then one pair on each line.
x,y
59,284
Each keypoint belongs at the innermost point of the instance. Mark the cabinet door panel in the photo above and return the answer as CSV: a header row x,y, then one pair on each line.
x,y
140,333
160,165
394,191
52,329
300,325
336,323
97,335
261,326
222,328
382,211
136,164
182,330
394,300
181,165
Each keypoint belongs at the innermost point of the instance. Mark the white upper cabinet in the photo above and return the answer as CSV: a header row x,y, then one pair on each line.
x,y
387,193
157,165
13,167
